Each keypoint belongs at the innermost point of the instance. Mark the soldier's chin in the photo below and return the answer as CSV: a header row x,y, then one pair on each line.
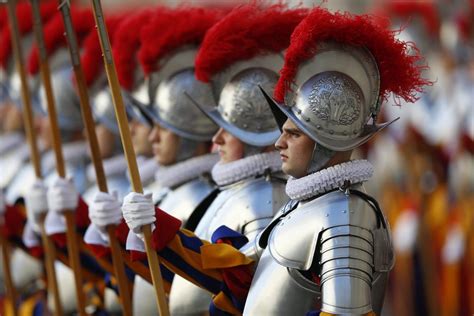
x,y
290,170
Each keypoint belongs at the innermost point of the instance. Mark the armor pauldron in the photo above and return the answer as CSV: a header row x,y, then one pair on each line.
x,y
335,236
252,249
294,241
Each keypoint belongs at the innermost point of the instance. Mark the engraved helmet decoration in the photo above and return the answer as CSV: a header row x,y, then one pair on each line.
x,y
238,55
242,109
334,94
169,43
336,97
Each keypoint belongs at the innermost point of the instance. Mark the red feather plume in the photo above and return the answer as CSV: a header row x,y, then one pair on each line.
x,y
178,27
83,22
425,10
3,17
126,45
247,31
400,71
92,61
24,14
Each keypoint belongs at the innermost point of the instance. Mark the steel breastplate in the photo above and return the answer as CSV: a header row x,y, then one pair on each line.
x,y
182,201
279,288
116,183
11,162
246,207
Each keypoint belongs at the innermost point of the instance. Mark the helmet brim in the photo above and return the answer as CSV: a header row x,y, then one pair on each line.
x,y
281,112
251,138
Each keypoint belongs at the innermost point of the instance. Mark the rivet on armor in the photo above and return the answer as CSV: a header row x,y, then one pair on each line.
x,y
355,132
307,119
331,132
327,215
344,133
318,126
269,202
298,111
344,211
245,125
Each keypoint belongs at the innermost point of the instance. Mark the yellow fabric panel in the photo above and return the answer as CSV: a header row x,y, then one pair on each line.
x,y
224,303
192,258
216,256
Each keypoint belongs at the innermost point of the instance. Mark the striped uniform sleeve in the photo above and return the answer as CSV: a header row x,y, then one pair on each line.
x,y
216,267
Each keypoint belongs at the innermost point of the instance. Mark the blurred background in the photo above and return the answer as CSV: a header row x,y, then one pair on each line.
x,y
424,162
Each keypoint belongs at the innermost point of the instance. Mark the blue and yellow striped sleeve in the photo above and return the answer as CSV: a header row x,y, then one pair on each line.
x,y
216,267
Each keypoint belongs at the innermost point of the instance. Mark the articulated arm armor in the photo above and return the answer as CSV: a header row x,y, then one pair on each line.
x,y
332,253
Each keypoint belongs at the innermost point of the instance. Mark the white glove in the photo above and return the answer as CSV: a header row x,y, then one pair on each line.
x,y
138,210
62,196
36,203
105,210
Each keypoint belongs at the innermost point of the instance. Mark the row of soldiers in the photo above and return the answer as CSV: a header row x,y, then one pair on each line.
x,y
206,95
425,168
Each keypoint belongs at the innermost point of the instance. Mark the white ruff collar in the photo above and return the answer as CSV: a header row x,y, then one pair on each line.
x,y
255,165
147,168
185,171
325,180
10,141
114,166
73,153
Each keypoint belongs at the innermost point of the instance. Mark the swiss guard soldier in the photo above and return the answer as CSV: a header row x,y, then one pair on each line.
x,y
181,134
249,170
14,153
125,47
106,127
55,194
329,249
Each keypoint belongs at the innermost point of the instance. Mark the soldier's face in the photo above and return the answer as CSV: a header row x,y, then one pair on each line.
x,y
43,128
229,147
296,150
107,141
140,133
11,118
164,144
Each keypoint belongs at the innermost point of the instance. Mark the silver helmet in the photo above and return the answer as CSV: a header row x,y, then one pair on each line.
x,y
104,111
137,102
66,100
171,108
67,103
337,97
242,110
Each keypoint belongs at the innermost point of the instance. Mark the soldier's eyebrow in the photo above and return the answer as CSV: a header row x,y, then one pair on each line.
x,y
290,130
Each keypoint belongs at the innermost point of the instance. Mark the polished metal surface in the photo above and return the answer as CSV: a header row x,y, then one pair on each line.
x,y
336,96
103,110
175,111
180,203
66,100
333,236
246,207
183,200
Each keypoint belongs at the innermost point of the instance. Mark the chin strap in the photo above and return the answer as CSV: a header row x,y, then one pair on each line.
x,y
321,156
